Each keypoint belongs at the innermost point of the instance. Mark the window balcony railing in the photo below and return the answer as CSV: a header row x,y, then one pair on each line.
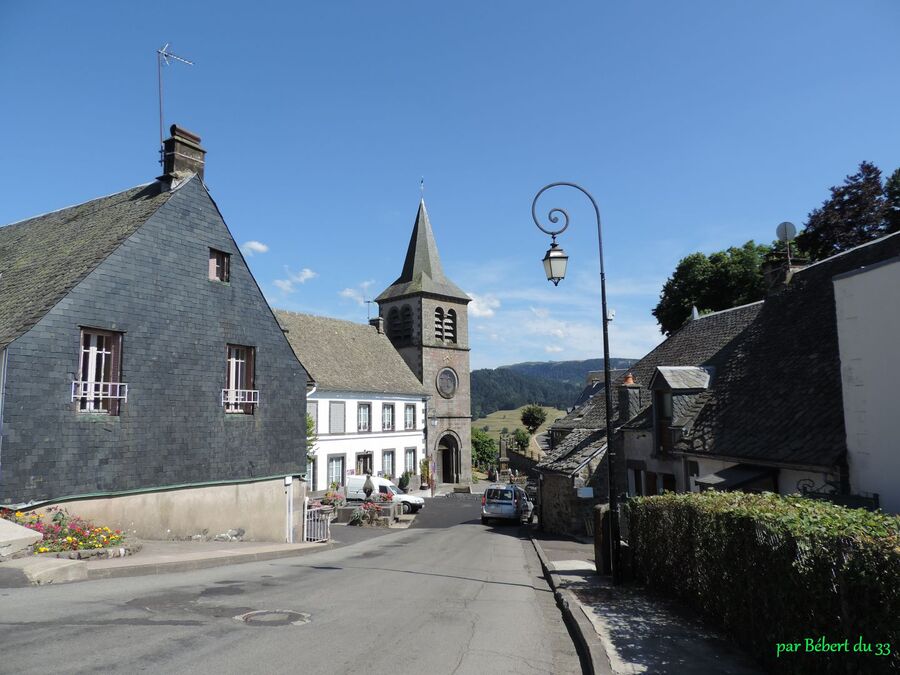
x,y
99,390
362,426
240,397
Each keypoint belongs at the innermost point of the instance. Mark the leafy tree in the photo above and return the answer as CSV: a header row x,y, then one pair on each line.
x,y
311,436
892,198
484,448
521,438
721,280
504,430
856,212
533,416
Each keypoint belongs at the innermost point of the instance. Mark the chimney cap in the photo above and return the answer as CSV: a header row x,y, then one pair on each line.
x,y
181,132
629,378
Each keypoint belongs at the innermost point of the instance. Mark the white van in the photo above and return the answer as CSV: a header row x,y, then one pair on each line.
x,y
354,490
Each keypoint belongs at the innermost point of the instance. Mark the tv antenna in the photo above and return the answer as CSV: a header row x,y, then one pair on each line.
x,y
368,307
786,232
162,56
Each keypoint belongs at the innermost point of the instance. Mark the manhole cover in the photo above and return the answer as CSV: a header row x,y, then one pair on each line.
x,y
274,617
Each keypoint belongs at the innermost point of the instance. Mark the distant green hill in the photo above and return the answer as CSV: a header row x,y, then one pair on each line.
x,y
573,372
549,383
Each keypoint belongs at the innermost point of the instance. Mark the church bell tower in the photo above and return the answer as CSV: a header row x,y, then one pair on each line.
x,y
425,316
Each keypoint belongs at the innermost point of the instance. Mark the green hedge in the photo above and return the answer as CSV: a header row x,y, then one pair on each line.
x,y
772,569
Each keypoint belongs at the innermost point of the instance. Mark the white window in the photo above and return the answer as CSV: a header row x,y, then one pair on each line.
x,y
387,417
387,463
411,460
363,416
100,390
335,470
409,415
239,395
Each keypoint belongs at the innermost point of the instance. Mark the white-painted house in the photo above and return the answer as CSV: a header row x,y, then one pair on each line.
x,y
368,407
867,304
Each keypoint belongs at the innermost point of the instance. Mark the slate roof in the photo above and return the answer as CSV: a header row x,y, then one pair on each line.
x,y
677,378
346,356
777,395
43,258
694,344
422,271
574,450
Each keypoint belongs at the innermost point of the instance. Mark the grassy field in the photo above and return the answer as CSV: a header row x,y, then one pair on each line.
x,y
512,419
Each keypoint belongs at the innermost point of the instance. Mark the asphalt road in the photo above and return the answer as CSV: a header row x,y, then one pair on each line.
x,y
448,595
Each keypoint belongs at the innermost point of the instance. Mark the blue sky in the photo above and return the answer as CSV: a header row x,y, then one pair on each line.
x,y
696,125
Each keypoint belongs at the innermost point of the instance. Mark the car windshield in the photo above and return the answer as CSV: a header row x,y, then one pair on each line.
x,y
394,489
499,495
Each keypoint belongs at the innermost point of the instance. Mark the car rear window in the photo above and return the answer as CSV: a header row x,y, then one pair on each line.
x,y
497,494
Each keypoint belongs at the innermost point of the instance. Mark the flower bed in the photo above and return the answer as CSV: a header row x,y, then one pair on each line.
x,y
775,570
63,532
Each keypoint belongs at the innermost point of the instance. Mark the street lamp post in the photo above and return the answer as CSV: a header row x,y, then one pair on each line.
x,y
555,261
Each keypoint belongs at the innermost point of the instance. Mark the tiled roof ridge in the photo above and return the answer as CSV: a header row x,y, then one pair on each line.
x,y
278,310
730,309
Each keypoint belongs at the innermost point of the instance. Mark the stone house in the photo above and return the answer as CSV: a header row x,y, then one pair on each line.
x,y
142,369
367,406
774,414
579,450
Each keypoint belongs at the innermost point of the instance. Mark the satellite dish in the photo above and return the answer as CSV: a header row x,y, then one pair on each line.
x,y
786,232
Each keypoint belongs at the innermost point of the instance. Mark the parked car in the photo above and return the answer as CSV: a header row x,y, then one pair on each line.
x,y
506,502
354,487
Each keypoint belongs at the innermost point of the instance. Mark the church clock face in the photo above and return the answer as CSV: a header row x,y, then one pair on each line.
x,y
447,383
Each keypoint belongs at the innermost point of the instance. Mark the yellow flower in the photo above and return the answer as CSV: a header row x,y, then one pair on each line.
x,y
19,514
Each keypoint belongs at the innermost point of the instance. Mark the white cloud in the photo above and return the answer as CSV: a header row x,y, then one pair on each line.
x,y
358,294
253,246
289,285
552,349
540,312
483,306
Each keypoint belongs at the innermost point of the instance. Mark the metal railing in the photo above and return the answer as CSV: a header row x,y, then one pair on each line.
x,y
99,390
240,396
317,523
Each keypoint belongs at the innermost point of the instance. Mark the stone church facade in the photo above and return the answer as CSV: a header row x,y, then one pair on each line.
x,y
426,319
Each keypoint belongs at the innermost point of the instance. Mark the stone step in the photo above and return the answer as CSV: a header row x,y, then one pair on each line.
x,y
35,571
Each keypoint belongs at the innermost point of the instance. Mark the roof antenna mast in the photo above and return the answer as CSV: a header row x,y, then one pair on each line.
x,y
368,308
422,187
162,56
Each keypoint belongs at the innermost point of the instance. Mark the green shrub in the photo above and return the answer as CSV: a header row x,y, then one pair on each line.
x,y
774,569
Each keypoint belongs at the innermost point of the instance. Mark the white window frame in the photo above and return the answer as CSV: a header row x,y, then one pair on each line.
x,y
384,462
237,397
386,410
100,368
361,424
409,416
410,466
330,476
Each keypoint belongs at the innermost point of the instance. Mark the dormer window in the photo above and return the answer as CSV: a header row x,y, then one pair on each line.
x,y
219,265
662,412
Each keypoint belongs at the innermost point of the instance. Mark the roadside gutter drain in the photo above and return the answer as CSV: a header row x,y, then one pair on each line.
x,y
274,617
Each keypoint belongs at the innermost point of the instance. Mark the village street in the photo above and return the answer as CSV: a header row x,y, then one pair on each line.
x,y
448,595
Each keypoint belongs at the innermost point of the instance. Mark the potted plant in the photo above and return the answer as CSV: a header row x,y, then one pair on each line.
x,y
403,484
424,473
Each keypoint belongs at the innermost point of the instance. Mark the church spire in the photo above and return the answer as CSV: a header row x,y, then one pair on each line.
x,y
422,271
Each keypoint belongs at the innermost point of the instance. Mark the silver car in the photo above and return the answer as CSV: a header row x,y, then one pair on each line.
x,y
506,502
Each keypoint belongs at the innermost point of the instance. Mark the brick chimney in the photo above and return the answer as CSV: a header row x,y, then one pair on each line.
x,y
182,155
378,322
778,273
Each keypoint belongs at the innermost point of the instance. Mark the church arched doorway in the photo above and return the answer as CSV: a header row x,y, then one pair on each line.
x,y
448,459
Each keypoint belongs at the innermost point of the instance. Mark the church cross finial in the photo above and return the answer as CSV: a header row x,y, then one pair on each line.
x,y
422,186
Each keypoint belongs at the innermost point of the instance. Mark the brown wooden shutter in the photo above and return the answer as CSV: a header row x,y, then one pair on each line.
x,y
251,378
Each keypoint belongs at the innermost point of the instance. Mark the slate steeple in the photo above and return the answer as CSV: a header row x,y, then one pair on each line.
x,y
422,272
